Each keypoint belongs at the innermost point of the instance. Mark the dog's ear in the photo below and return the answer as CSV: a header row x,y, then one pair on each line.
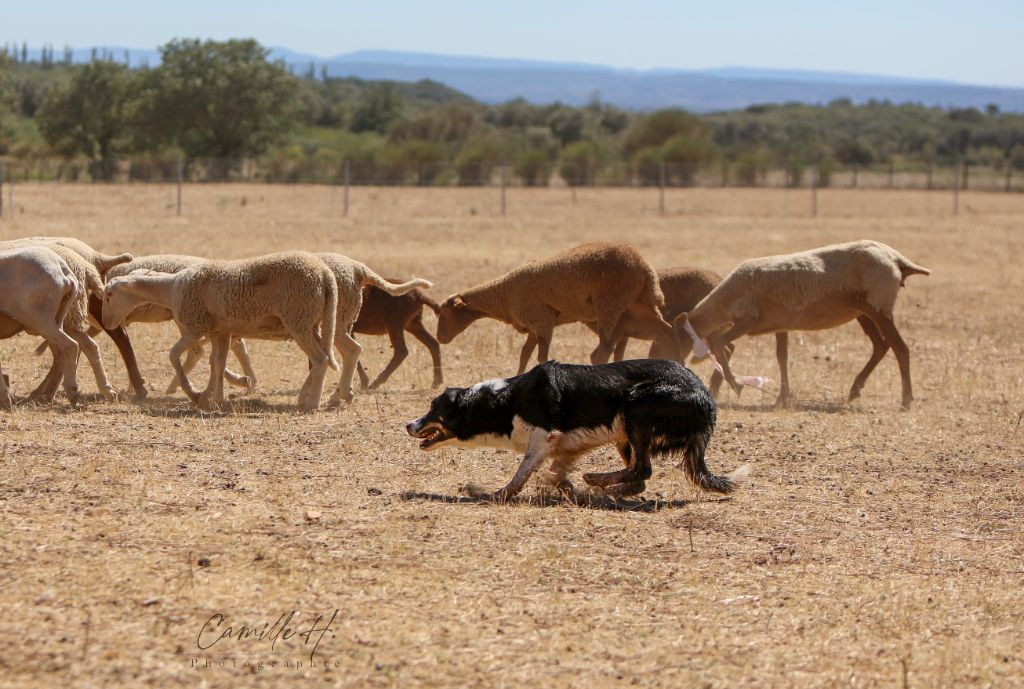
x,y
451,394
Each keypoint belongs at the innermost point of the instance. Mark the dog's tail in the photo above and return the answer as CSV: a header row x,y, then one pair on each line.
x,y
698,472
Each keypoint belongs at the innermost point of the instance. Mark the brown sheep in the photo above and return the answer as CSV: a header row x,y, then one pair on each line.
x,y
384,314
810,290
595,283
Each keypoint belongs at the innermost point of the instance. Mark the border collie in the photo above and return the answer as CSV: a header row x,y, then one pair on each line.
x,y
645,408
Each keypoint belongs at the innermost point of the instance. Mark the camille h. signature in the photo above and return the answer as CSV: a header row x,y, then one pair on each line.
x,y
217,629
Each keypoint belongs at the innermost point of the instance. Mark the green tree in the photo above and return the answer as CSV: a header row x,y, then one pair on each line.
x,y
218,100
378,108
88,116
579,163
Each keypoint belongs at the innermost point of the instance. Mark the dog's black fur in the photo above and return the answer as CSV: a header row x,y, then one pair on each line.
x,y
657,407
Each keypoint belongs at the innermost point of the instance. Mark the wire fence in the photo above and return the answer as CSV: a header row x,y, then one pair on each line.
x,y
346,174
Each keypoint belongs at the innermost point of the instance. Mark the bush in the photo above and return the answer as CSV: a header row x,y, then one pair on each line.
x,y
534,167
579,163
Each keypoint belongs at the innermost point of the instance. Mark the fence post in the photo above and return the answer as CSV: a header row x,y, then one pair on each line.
x,y
504,183
1009,173
1,188
344,205
892,175
956,189
929,175
181,173
661,187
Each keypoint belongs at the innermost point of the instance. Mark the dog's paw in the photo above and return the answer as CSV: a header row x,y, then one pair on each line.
x,y
478,493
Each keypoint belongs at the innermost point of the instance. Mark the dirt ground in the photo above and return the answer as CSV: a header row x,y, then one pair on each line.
x,y
870,548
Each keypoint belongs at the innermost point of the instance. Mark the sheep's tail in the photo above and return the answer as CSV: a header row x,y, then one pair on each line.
x,y
329,324
105,263
697,470
908,268
394,289
429,302
70,300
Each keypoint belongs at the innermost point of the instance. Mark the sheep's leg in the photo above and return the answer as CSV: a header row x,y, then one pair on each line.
x,y
6,402
900,349
738,330
879,348
716,376
242,354
400,350
417,330
350,351
195,353
87,346
313,388
214,393
544,344
782,355
179,348
364,380
47,389
526,352
620,349
124,345
65,365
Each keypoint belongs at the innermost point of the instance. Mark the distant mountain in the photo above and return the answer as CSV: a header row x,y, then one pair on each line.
x,y
496,80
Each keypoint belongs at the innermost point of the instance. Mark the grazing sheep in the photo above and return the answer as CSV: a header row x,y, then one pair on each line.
x,y
384,314
811,290
40,295
289,295
153,313
102,263
351,277
591,283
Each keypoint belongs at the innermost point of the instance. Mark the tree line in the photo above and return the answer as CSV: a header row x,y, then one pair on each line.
x,y
216,104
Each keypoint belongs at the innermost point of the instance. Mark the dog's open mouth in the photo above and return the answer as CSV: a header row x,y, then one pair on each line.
x,y
431,436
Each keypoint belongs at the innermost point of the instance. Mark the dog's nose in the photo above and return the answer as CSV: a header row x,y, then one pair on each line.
x,y
410,428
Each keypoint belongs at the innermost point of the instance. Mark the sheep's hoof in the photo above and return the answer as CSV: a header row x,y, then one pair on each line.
x,y
907,403
110,394
140,395
782,402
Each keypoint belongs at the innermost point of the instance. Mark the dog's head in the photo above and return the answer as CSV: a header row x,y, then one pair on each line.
x,y
457,414
454,316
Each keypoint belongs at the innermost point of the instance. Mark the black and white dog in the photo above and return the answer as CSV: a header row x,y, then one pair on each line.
x,y
645,408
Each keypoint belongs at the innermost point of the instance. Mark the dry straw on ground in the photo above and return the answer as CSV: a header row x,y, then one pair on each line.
x,y
871,548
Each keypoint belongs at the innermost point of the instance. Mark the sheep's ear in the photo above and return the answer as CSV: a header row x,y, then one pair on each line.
x,y
458,303
141,271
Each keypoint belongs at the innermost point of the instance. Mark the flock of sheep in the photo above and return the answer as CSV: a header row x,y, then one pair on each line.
x,y
64,291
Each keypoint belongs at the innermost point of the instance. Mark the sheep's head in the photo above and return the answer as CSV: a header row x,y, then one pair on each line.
x,y
117,303
454,317
686,333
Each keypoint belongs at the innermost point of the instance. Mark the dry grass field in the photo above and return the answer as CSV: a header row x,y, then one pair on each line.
x,y
870,548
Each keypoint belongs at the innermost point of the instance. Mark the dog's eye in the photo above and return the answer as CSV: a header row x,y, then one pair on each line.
x,y
440,418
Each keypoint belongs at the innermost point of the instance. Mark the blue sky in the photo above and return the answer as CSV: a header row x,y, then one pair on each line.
x,y
978,42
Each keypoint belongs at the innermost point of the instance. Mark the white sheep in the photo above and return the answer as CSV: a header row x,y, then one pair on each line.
x,y
811,290
592,283
40,295
289,295
78,327
155,313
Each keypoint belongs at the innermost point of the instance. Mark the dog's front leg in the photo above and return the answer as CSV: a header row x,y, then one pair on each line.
x,y
537,450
